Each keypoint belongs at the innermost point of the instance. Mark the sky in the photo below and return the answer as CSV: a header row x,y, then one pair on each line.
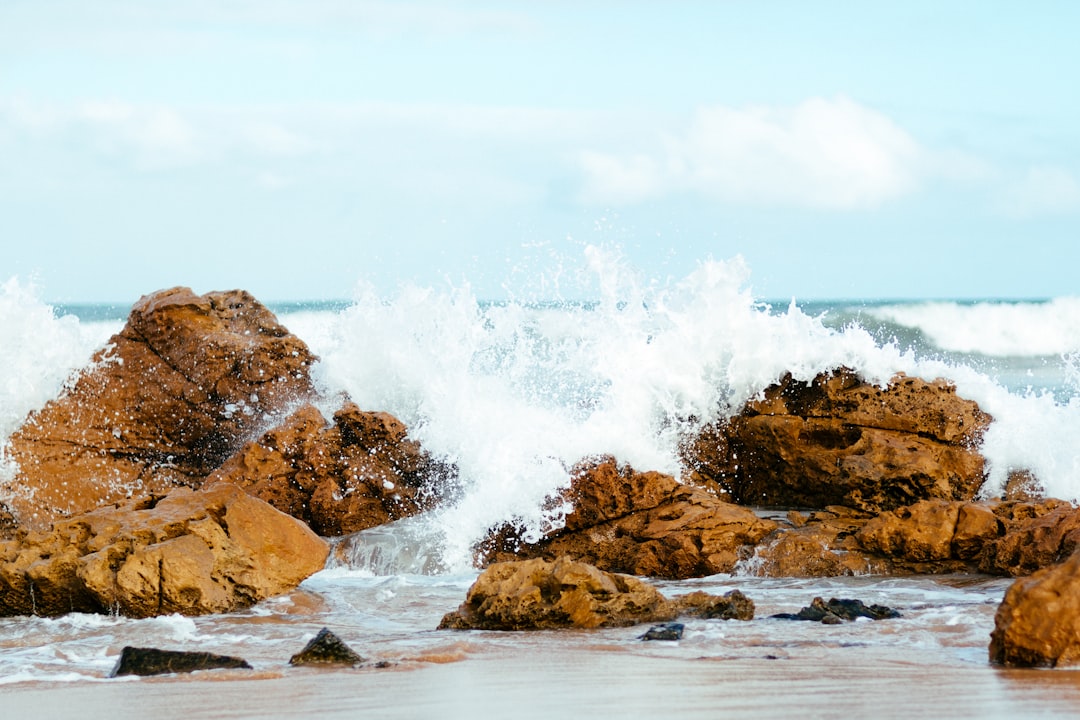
x,y
303,149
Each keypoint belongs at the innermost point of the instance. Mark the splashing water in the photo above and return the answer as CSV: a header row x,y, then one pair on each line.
x,y
516,393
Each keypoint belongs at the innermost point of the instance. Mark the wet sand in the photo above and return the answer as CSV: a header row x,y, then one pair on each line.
x,y
587,681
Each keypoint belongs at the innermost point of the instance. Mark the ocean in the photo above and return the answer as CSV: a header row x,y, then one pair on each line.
x,y
515,393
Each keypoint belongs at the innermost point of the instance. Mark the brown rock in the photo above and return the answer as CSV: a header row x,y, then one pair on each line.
x,y
842,441
642,524
732,605
359,472
1036,536
538,594
193,553
1038,622
921,532
174,393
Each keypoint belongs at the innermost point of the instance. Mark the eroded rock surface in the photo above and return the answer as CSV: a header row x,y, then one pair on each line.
x,y
175,392
538,594
839,440
357,472
643,524
1038,622
190,552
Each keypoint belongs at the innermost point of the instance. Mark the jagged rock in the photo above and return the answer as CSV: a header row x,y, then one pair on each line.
x,y
666,631
538,594
732,605
214,550
151,661
922,532
1036,535
326,648
642,524
358,472
837,611
839,440
1038,621
175,392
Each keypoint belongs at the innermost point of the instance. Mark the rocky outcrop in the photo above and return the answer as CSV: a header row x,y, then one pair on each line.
x,y
839,440
539,594
355,473
190,552
186,381
1038,622
1036,535
641,524
152,661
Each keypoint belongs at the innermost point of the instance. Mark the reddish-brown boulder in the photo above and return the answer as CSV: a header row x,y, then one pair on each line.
x,y
1038,622
356,473
642,524
842,441
174,393
191,552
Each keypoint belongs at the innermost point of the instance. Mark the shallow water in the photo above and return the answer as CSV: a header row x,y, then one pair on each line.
x,y
932,662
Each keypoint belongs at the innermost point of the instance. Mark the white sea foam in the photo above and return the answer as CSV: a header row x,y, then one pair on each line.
x,y
1019,329
515,394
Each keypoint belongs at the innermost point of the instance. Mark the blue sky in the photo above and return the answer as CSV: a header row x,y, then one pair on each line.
x,y
844,149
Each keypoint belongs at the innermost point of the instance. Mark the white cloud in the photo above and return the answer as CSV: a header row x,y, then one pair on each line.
x,y
821,153
1043,190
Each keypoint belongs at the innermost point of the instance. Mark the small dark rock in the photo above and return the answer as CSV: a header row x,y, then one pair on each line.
x,y
326,648
836,611
151,661
666,631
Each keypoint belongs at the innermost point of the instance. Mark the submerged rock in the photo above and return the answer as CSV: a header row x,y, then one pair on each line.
x,y
174,393
732,605
666,631
326,648
355,473
190,552
642,524
151,661
1038,621
839,440
837,611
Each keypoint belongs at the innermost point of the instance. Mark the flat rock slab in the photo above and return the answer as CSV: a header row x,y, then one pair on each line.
x,y
151,661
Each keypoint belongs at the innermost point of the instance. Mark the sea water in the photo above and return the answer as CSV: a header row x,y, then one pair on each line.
x,y
514,393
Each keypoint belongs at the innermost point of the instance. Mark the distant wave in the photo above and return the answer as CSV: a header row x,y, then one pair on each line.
x,y
998,328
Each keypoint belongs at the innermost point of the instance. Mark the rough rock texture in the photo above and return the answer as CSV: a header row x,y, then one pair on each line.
x,y
1038,622
642,524
1036,535
839,440
326,648
151,661
356,473
175,392
836,611
190,552
732,605
819,543
537,595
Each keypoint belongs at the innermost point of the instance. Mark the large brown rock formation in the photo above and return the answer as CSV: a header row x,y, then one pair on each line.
x,y
360,471
839,440
191,552
642,524
175,392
